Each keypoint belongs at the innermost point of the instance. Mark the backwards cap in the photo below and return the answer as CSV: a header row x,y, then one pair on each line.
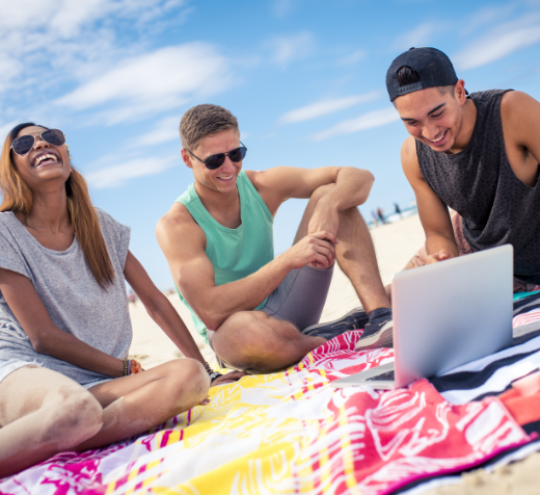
x,y
432,65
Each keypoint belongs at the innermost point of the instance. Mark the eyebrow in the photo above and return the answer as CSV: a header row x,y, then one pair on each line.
x,y
429,113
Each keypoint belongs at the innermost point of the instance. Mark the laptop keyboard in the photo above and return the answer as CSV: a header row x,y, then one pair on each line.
x,y
389,375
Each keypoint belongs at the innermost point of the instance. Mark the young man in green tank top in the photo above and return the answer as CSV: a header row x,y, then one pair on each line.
x,y
260,312
478,154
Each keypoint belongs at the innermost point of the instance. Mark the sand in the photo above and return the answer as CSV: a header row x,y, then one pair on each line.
x,y
395,244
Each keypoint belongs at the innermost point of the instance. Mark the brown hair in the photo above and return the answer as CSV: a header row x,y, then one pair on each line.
x,y
202,120
17,197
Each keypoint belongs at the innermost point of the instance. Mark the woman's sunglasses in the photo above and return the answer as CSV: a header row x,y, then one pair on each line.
x,y
22,145
215,161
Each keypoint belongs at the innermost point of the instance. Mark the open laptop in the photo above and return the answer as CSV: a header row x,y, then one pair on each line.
x,y
446,315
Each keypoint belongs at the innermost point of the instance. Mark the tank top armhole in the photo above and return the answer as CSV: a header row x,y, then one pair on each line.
x,y
245,180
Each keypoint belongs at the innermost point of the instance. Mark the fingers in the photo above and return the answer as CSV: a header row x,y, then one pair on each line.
x,y
325,235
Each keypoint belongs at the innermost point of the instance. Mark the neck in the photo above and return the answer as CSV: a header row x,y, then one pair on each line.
x,y
215,199
49,210
468,121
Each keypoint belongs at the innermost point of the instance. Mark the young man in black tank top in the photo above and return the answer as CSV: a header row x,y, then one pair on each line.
x,y
477,154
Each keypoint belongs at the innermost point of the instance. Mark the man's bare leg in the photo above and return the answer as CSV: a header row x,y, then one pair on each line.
x,y
252,340
355,253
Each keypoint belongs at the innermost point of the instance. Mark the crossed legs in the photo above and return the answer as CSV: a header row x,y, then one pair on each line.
x,y
255,341
43,412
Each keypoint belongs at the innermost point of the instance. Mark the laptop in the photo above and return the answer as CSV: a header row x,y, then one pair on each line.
x,y
446,315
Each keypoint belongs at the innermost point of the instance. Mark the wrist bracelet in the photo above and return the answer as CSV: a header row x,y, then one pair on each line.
x,y
131,367
214,375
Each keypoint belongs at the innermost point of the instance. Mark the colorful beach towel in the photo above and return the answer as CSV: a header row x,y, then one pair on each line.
x,y
291,432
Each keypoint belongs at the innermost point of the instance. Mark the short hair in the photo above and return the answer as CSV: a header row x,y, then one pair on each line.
x,y
203,120
407,75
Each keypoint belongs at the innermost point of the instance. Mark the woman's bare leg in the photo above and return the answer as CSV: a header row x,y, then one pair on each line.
x,y
136,403
42,413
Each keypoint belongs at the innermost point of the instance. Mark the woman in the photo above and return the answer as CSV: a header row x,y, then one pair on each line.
x,y
64,323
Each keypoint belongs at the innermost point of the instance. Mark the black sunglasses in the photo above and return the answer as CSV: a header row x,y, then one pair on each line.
x,y
215,161
22,145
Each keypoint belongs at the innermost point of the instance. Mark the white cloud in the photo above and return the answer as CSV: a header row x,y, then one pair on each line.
x,y
326,107
498,43
117,175
352,58
369,120
166,130
285,49
153,82
417,37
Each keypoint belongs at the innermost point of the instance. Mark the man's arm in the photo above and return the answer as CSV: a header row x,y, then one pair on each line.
x,y
520,115
351,187
183,242
440,241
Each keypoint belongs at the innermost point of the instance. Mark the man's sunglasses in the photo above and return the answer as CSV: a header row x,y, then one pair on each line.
x,y
215,161
22,145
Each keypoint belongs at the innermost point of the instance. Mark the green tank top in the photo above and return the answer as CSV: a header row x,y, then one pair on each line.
x,y
234,253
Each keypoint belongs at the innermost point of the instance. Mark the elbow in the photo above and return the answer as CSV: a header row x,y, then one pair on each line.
x,y
40,344
212,319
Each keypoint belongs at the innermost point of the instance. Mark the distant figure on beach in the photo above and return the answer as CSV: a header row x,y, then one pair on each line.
x,y
397,210
476,153
375,218
132,298
380,214
65,332
258,311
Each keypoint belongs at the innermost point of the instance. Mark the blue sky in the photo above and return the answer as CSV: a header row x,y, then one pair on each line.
x,y
304,77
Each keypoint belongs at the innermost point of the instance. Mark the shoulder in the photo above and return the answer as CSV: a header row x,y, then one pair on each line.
x,y
515,104
108,222
409,157
178,224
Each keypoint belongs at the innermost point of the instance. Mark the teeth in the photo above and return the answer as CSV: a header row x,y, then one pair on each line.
x,y
45,157
440,139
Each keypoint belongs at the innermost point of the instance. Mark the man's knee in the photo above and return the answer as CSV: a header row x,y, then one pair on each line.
x,y
248,338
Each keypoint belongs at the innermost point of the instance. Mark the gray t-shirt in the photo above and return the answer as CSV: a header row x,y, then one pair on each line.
x,y
74,300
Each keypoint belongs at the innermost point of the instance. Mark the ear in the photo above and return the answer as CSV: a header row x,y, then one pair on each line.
x,y
186,158
459,92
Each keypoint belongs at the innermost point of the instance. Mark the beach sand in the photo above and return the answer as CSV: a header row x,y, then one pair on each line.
x,y
395,244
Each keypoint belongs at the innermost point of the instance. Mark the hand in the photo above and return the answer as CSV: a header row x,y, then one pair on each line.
x,y
231,377
316,249
442,255
324,219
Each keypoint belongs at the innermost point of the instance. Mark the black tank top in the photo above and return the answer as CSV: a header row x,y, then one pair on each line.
x,y
479,183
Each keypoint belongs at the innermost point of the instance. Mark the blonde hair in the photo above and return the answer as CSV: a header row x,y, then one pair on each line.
x,y
18,198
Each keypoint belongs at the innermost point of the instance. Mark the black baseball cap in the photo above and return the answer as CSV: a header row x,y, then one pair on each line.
x,y
432,65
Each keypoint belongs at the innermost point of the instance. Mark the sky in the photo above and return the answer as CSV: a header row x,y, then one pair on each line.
x,y
305,79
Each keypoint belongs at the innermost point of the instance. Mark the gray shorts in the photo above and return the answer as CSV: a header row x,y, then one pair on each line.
x,y
300,298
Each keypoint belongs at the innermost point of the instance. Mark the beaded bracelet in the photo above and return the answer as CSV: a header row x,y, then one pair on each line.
x,y
131,367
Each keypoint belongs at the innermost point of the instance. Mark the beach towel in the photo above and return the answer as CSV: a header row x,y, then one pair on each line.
x,y
291,432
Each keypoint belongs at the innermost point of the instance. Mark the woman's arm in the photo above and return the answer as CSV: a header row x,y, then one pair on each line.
x,y
160,309
45,336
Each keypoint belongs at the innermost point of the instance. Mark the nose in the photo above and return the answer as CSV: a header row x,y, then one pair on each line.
x,y
228,165
431,132
39,142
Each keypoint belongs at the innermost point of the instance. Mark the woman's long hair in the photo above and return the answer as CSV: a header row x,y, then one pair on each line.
x,y
18,198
